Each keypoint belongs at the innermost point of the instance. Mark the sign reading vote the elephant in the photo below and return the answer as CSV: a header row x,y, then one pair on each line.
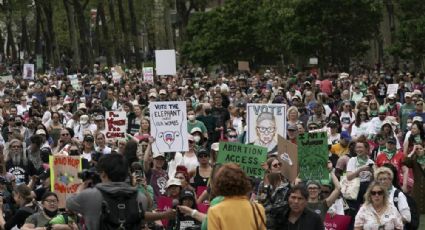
x,y
313,156
169,126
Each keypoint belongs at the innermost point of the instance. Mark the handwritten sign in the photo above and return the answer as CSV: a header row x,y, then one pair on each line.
x,y
249,157
116,124
74,81
64,176
313,156
287,155
392,89
164,204
265,122
169,126
148,74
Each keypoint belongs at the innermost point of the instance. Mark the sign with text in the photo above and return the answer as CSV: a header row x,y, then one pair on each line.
x,y
165,62
392,89
287,155
243,65
64,176
28,72
248,157
313,156
265,122
168,121
74,81
148,74
116,124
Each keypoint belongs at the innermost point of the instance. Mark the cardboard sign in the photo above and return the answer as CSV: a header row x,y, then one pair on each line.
x,y
287,155
64,176
243,65
165,61
265,123
392,89
248,157
168,121
313,156
148,74
28,72
116,124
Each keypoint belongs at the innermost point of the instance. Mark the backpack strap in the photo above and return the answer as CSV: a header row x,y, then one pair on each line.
x,y
395,198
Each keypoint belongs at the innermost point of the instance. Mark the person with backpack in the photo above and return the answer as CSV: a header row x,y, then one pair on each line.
x,y
113,203
384,176
27,206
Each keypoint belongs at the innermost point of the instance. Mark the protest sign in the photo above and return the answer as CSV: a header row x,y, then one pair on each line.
x,y
287,155
337,222
313,156
116,74
165,61
164,204
392,89
116,124
265,122
28,72
313,61
148,74
64,176
6,78
168,121
74,81
248,157
243,65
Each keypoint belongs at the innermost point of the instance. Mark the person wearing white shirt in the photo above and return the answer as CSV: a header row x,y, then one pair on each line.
x,y
385,176
101,144
23,106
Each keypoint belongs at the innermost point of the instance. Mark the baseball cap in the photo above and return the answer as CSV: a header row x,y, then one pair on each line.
x,y
408,94
312,182
99,117
173,181
88,138
345,135
40,132
391,140
195,129
202,151
162,92
153,94
187,194
292,127
156,155
391,96
81,106
84,119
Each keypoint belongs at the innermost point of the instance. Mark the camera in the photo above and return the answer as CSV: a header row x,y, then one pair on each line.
x,y
89,174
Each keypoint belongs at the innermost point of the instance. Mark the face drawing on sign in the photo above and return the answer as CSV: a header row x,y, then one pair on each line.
x,y
285,157
266,130
29,72
169,137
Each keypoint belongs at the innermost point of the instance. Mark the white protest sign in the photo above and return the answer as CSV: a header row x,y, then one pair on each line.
x,y
28,72
165,61
116,124
116,75
148,74
74,81
168,121
392,89
265,123
313,61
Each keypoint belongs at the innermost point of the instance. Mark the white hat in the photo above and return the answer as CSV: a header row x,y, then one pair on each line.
x,y
40,132
153,94
162,91
343,75
84,119
173,181
155,155
391,96
81,106
195,129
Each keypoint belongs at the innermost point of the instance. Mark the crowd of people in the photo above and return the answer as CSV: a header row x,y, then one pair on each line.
x,y
376,151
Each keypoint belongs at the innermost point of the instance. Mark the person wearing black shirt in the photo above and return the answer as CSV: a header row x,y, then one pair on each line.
x,y
297,216
221,114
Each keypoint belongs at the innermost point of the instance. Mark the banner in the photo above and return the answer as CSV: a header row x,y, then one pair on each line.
x,y
265,122
337,222
165,61
28,72
148,74
248,157
313,156
168,121
64,176
287,155
116,124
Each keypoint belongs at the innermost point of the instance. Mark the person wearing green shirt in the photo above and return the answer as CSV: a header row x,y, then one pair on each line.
x,y
193,123
405,110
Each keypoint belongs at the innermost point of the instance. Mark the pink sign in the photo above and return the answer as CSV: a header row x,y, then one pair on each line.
x,y
164,204
337,222
200,190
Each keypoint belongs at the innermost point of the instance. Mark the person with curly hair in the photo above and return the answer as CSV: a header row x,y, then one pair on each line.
x,y
235,211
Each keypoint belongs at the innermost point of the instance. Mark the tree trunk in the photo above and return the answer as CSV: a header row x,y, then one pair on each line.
x,y
117,53
73,37
37,42
168,27
134,33
11,46
108,46
123,22
50,32
83,28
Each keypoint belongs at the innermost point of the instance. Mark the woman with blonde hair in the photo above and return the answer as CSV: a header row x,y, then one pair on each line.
x,y
293,115
377,212
373,108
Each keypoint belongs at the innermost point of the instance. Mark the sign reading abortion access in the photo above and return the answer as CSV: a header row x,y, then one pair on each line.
x,y
313,156
169,126
248,157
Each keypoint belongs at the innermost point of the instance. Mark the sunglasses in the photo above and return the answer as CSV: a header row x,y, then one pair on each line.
x,y
277,165
379,193
233,136
203,156
65,134
313,188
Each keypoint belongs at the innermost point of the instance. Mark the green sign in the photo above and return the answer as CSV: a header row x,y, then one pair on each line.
x,y
248,157
313,156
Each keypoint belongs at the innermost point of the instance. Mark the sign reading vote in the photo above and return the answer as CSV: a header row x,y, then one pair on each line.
x,y
313,156
169,126
248,157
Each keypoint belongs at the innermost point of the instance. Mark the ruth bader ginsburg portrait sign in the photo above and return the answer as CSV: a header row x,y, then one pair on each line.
x,y
265,122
